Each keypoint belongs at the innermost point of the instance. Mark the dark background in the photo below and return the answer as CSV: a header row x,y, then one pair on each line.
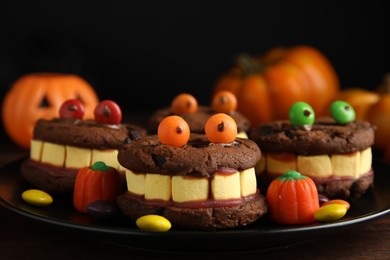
x,y
148,51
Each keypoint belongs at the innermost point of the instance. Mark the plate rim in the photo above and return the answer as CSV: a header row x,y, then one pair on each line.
x,y
131,232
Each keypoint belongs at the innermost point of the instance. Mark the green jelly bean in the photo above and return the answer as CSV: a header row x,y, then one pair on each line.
x,y
301,114
37,197
153,223
330,212
342,112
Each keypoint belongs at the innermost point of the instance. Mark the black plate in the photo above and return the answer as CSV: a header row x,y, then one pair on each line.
x,y
259,236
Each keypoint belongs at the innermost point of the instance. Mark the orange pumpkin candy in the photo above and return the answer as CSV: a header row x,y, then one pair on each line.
x,y
40,95
96,183
292,199
267,86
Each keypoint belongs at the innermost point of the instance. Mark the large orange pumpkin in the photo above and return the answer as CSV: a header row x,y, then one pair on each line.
x,y
267,86
40,95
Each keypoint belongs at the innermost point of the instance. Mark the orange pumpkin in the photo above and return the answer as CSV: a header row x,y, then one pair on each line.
x,y
360,99
96,183
378,114
267,86
41,95
292,199
374,107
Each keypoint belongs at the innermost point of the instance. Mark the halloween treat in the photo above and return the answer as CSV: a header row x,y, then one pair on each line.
x,y
37,197
330,212
60,147
98,182
334,151
337,201
153,223
292,199
197,183
39,96
186,106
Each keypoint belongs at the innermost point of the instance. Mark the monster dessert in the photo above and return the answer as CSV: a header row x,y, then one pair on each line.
x,y
60,147
196,181
334,151
186,106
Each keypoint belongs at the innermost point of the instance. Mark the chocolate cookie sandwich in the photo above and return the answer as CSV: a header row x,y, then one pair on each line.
x,y
186,106
63,145
334,151
196,181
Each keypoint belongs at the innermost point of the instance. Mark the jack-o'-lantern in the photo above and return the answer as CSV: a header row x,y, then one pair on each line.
x,y
40,95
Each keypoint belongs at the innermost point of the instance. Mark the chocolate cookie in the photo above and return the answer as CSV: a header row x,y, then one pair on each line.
x,y
336,156
196,120
198,186
200,218
325,137
85,133
62,146
199,157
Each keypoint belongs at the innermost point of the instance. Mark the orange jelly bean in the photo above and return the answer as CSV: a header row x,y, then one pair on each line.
x,y
184,104
337,201
221,128
224,102
174,131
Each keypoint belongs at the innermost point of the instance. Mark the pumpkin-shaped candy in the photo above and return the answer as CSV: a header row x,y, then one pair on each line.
x,y
292,199
96,183
40,95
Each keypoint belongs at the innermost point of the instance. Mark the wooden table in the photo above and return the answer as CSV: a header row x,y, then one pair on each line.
x,y
24,238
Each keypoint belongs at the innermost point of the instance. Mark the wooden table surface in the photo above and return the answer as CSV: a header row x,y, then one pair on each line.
x,y
24,238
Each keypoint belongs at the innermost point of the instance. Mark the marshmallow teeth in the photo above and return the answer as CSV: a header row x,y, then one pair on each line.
x,y
71,157
353,164
179,189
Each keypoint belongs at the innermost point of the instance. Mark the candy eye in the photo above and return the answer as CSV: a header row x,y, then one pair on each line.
x,y
221,128
342,112
108,112
224,102
301,114
72,108
174,131
184,104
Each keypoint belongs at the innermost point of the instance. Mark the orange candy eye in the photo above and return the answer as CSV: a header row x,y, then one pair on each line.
x,y
174,131
224,102
221,128
184,104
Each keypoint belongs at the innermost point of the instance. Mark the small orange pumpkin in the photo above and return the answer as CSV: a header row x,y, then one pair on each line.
x,y
292,199
378,114
360,99
40,95
374,107
95,183
268,85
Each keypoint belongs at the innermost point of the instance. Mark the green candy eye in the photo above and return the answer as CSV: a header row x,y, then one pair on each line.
x,y
342,112
301,114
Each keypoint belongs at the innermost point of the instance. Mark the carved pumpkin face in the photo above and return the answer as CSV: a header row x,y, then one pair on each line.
x,y
41,95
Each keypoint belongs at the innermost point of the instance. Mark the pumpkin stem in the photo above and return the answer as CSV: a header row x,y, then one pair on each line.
x,y
292,175
100,166
248,64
